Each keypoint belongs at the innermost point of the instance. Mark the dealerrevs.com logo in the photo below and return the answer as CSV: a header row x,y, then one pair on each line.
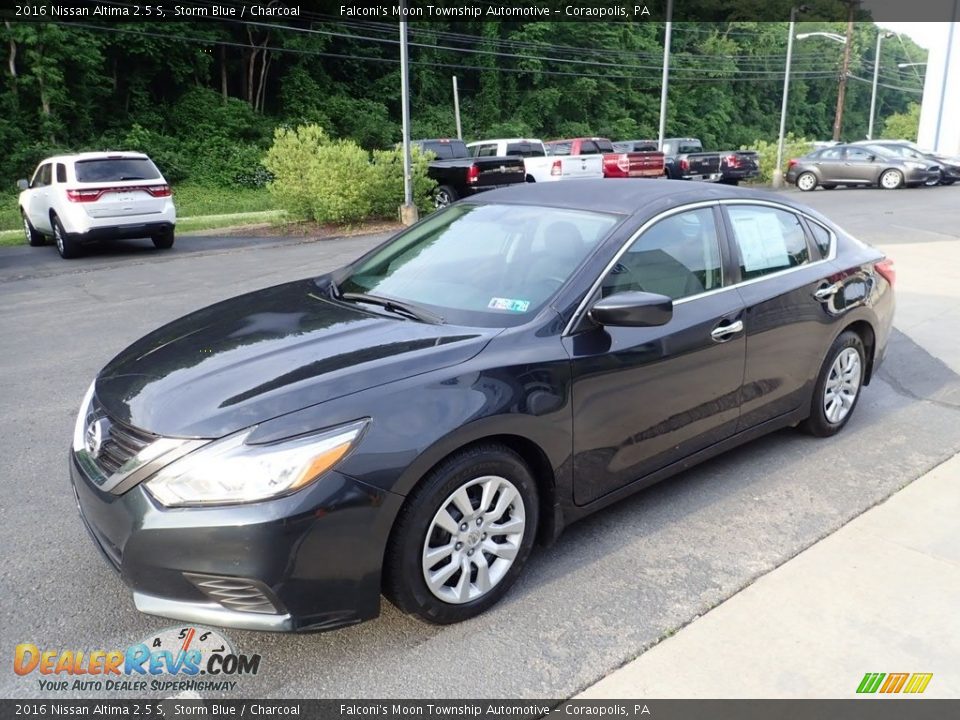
x,y
172,660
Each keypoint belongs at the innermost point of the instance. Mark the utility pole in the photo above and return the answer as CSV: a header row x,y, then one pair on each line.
x,y
778,170
666,74
842,89
456,107
876,76
408,211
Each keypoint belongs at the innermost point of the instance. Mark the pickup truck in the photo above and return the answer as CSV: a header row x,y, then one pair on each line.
x,y
539,167
685,159
458,175
615,164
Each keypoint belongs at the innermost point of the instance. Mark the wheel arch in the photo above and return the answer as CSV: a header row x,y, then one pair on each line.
x,y
532,454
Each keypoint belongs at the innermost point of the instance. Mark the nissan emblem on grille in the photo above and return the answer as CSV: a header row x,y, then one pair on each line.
x,y
94,437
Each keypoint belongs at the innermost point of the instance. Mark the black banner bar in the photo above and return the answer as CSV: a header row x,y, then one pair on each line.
x,y
866,708
426,11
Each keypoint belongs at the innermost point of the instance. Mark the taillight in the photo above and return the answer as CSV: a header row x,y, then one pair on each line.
x,y
159,190
733,161
473,174
684,164
556,168
623,162
791,163
84,195
886,268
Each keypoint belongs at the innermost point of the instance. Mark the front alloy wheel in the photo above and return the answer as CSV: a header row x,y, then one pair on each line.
x,y
473,539
463,535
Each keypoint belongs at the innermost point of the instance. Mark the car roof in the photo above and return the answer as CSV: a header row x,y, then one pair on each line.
x,y
504,140
623,196
100,155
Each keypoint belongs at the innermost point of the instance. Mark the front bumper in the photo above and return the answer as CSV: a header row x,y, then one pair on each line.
x,y
315,555
916,176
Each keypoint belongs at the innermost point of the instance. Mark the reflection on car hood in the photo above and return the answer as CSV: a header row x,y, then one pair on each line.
x,y
267,353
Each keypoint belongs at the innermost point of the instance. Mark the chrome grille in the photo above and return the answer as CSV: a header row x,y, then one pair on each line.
x,y
120,443
235,593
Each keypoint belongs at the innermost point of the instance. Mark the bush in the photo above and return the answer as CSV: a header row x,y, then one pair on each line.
x,y
793,147
903,126
386,188
334,181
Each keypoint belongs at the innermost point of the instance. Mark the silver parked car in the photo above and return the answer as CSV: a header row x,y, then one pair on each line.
x,y
858,165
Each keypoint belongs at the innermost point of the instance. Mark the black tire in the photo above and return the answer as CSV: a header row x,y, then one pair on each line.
x,y
890,172
947,182
829,187
818,424
403,575
164,240
805,185
729,181
34,238
443,196
67,246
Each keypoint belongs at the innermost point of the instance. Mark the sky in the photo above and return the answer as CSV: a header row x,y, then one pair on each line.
x,y
924,34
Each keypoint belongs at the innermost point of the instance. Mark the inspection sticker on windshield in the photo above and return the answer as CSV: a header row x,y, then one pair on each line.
x,y
508,304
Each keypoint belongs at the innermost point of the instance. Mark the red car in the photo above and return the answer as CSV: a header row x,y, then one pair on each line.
x,y
648,163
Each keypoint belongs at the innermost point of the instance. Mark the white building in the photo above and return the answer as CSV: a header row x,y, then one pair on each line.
x,y
940,111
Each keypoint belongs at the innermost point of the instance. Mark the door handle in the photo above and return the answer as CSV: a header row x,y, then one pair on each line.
x,y
722,332
825,293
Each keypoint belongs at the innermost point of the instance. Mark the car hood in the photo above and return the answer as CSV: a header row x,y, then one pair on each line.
x,y
265,354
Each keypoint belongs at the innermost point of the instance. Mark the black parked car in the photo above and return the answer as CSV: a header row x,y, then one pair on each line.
x,y
458,174
414,422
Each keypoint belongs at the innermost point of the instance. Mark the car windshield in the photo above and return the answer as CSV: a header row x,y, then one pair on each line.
x,y
116,170
482,265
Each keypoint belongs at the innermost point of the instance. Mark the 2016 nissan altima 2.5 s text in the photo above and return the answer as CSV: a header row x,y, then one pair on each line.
x,y
413,423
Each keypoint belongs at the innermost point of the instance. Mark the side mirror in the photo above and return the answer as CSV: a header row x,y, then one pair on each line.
x,y
632,309
872,158
23,184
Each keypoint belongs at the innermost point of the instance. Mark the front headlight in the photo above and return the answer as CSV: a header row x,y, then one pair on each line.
x,y
80,427
228,471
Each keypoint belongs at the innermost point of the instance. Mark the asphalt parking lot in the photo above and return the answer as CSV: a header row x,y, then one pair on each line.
x,y
610,588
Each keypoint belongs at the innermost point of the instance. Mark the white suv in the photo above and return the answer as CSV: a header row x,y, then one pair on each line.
x,y
78,199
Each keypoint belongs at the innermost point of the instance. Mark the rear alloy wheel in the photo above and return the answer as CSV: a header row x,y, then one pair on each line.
x,y
66,245
891,180
933,183
444,195
463,536
34,238
838,386
164,240
807,182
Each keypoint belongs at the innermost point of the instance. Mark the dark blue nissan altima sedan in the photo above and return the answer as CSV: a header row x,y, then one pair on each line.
x,y
413,423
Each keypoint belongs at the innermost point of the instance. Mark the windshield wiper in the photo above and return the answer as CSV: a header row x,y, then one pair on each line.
x,y
417,313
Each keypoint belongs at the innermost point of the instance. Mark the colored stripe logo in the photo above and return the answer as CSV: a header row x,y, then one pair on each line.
x,y
888,683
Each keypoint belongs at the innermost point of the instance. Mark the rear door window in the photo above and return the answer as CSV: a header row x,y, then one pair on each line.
x,y
116,170
768,240
821,238
61,173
